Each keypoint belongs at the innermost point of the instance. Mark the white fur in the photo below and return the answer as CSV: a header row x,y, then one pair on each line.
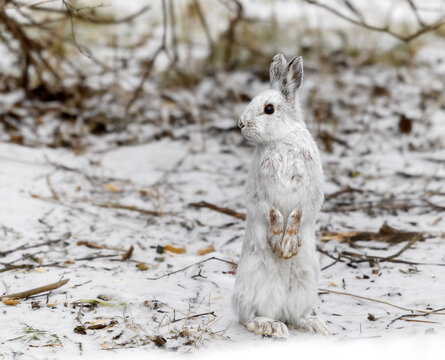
x,y
286,173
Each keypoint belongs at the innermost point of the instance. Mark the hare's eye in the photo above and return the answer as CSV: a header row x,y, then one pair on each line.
x,y
269,109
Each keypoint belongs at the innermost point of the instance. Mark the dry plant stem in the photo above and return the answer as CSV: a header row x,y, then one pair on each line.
x,y
27,293
128,254
347,189
205,27
174,39
366,258
193,316
231,33
404,316
385,29
91,178
77,13
423,321
93,245
380,302
150,63
222,210
45,243
108,206
51,188
131,208
188,267
16,267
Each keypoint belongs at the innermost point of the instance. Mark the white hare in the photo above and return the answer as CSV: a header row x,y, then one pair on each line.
x,y
277,276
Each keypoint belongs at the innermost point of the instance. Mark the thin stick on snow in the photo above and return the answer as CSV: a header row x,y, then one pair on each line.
x,y
222,210
381,302
193,316
38,290
188,267
406,316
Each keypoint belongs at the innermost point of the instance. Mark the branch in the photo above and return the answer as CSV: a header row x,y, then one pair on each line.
x,y
385,29
188,267
381,302
150,63
77,13
38,290
222,210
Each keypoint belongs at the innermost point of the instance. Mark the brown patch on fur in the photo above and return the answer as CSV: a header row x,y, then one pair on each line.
x,y
293,227
275,226
275,235
292,239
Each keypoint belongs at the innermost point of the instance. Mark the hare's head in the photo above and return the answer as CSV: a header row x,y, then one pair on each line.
x,y
273,113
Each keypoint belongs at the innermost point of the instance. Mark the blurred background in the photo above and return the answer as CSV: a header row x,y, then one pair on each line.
x,y
71,68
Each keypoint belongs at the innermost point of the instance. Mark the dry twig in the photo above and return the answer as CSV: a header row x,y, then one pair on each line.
x,y
380,302
38,290
188,267
360,21
222,210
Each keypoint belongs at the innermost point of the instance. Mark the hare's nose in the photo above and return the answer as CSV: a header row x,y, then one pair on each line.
x,y
241,123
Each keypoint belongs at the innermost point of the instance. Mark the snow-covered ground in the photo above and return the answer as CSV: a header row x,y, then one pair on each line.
x,y
53,194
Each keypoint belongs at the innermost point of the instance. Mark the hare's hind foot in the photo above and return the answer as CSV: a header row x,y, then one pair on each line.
x,y
313,325
269,327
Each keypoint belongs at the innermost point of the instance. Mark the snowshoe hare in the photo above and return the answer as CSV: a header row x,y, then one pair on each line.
x,y
277,276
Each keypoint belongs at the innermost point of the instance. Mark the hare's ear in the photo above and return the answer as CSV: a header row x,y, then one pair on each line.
x,y
277,72
294,78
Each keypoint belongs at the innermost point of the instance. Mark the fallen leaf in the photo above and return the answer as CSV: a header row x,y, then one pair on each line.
x,y
405,124
79,329
380,91
353,174
385,234
113,188
128,254
105,346
159,340
11,302
142,266
176,250
41,270
17,139
206,250
35,305
102,325
371,317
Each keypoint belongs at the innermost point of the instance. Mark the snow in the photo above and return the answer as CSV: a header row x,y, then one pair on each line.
x,y
172,174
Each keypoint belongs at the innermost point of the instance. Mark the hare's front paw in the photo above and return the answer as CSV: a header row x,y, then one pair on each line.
x,y
313,325
275,231
269,327
292,240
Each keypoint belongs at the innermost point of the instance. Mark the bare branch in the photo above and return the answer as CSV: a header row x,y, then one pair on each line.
x,y
38,290
384,29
